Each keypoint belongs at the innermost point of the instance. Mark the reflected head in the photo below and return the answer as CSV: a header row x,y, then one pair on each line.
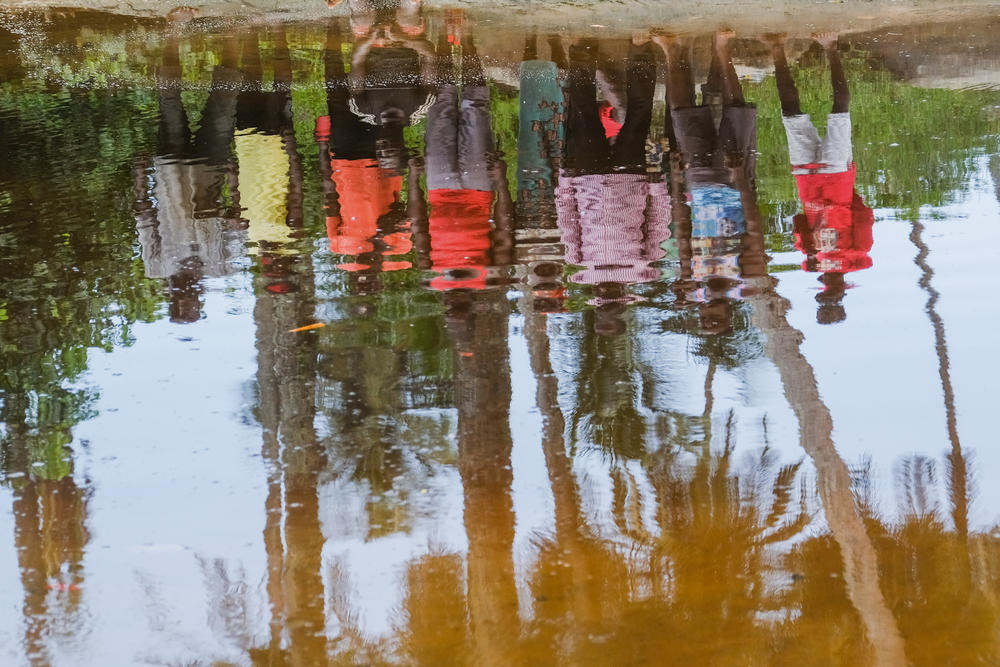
x,y
716,317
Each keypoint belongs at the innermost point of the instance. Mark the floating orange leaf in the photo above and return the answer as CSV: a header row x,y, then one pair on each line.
x,y
308,327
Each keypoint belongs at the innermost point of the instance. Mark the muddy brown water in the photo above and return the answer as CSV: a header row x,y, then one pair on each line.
x,y
411,336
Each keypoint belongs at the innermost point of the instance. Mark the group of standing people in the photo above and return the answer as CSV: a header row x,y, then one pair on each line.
x,y
587,175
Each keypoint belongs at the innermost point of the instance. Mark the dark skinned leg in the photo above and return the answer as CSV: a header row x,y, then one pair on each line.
x,y
788,94
680,81
587,149
530,47
732,91
841,93
472,65
629,150
558,53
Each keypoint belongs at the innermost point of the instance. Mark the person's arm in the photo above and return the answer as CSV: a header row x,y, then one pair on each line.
x,y
657,220
753,258
294,200
681,216
416,210
330,202
424,49
503,213
331,198
142,207
862,220
568,220
359,57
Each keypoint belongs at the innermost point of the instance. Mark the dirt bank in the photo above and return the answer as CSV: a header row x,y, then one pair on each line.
x,y
600,16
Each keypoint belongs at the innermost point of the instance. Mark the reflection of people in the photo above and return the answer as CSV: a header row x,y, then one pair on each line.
x,y
270,170
614,218
366,219
391,71
541,132
463,176
184,229
540,139
719,165
835,229
367,14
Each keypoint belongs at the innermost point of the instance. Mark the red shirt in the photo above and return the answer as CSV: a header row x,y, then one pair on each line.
x,y
459,225
836,225
366,193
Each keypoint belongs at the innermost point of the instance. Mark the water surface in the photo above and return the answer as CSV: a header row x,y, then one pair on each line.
x,y
406,337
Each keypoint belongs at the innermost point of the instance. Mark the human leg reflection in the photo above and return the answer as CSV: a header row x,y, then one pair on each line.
x,y
466,178
613,216
834,231
366,220
541,137
184,228
719,169
270,189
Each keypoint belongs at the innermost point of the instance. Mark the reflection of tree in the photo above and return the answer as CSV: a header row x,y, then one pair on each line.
x,y
957,470
571,581
935,572
292,535
702,575
608,412
833,479
434,619
50,536
476,322
720,570
68,282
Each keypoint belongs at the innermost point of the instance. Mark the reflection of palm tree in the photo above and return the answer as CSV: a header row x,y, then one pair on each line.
x,y
957,469
572,545
832,478
293,539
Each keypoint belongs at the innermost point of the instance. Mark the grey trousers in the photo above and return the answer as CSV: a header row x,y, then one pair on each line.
x,y
458,139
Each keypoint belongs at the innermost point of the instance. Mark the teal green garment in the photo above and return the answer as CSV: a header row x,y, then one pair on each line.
x,y
541,133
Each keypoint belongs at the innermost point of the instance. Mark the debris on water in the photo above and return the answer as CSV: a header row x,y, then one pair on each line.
x,y
62,587
308,327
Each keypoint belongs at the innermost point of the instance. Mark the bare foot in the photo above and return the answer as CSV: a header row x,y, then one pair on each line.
x,y
774,38
332,3
723,36
663,38
828,40
180,16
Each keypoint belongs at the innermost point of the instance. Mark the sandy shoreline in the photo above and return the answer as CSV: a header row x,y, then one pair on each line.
x,y
599,16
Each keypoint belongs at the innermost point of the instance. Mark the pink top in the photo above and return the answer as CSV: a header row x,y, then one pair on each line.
x,y
613,225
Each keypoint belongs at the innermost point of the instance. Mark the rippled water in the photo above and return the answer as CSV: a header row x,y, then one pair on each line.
x,y
413,338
